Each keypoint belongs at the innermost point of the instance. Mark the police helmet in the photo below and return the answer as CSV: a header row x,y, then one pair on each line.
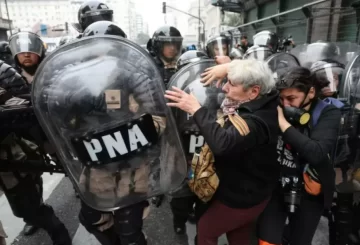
x,y
163,36
92,11
218,46
258,53
328,72
236,53
267,39
104,28
190,56
26,42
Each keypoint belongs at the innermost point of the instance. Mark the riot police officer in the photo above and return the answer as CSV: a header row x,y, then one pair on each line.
x,y
266,43
90,12
5,53
218,46
182,207
28,51
124,225
165,47
189,57
24,191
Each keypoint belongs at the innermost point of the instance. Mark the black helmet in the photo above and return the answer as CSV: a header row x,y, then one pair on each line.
x,y
23,42
212,46
5,53
92,11
190,56
329,73
258,53
4,47
165,35
104,28
236,54
267,39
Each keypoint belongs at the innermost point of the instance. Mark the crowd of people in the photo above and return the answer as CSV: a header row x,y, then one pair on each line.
x,y
268,148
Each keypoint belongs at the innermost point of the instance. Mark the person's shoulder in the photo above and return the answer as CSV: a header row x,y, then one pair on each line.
x,y
331,110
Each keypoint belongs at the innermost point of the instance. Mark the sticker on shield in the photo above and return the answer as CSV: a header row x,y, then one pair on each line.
x,y
117,143
192,140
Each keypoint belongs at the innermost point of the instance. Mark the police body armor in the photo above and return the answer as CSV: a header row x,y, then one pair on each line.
x,y
101,102
188,79
326,61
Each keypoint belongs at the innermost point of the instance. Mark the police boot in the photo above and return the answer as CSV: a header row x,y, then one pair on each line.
x,y
29,229
128,223
88,217
54,227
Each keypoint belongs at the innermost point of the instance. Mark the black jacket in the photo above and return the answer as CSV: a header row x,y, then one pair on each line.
x,y
316,148
246,165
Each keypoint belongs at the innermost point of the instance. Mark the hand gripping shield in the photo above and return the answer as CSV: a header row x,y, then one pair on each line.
x,y
101,102
188,79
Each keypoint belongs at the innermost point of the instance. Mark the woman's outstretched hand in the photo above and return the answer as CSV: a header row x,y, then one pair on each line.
x,y
215,73
182,100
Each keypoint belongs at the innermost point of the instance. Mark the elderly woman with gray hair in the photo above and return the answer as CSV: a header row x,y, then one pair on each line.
x,y
245,161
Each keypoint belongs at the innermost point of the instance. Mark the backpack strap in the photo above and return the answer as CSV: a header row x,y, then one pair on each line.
x,y
320,105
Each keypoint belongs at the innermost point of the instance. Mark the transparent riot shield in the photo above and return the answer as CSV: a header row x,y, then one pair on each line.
x,y
341,52
347,161
188,79
281,62
101,102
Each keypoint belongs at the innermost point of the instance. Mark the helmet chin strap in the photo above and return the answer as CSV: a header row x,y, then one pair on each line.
x,y
303,104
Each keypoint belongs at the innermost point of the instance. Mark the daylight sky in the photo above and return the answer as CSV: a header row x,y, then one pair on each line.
x,y
151,10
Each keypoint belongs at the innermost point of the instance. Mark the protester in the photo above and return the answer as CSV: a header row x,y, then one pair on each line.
x,y
243,144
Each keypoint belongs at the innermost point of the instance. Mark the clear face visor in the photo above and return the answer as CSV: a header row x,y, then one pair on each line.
x,y
333,76
260,54
170,48
26,43
265,40
218,47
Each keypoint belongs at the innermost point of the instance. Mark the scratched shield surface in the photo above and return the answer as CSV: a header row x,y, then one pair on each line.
x,y
101,103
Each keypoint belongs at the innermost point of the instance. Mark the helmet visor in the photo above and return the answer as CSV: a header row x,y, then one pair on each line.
x,y
331,75
26,42
218,47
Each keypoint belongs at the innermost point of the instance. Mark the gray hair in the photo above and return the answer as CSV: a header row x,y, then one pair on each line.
x,y
252,72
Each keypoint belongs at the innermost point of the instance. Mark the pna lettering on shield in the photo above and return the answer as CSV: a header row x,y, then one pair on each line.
x,y
116,144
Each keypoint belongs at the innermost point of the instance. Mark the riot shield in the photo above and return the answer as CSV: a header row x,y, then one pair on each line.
x,y
341,52
188,79
280,62
348,145
101,102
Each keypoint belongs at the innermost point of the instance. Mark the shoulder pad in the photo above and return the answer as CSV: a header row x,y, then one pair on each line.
x,y
11,80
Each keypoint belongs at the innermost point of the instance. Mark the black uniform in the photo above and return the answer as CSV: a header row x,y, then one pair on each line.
x,y
24,190
163,37
127,222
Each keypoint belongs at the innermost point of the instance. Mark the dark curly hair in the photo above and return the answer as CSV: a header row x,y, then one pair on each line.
x,y
300,78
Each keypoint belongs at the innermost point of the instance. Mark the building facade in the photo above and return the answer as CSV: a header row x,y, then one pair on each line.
x,y
305,20
33,15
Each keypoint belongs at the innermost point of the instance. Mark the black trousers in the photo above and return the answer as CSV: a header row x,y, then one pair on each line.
x,y
127,228
302,224
26,202
181,207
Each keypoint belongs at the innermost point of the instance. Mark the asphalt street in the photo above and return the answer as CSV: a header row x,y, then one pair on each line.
x,y
58,192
